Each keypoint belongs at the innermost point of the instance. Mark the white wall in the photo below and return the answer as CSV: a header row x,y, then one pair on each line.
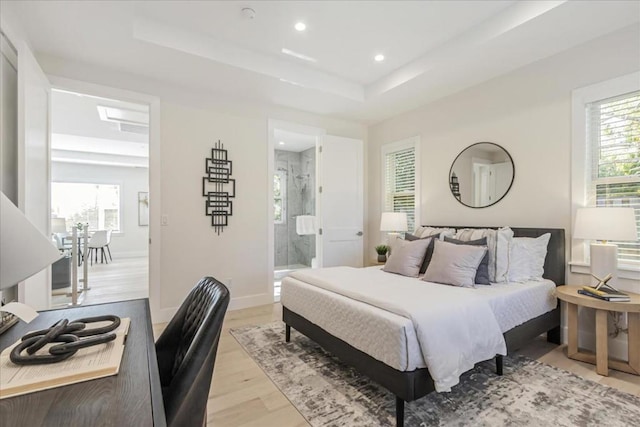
x,y
528,112
133,240
190,248
190,124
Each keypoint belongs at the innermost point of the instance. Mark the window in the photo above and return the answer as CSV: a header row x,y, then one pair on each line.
x,y
279,197
401,178
605,159
97,204
613,153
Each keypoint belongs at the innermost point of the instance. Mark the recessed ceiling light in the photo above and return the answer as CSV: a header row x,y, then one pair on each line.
x,y
300,26
281,142
379,58
248,13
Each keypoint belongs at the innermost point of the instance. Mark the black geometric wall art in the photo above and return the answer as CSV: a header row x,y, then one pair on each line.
x,y
218,188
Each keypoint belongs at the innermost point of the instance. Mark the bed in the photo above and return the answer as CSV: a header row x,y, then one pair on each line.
x,y
382,344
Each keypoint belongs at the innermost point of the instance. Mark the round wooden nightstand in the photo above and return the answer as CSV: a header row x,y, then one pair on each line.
x,y
570,295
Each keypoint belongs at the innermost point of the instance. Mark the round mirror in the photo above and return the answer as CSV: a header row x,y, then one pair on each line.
x,y
481,175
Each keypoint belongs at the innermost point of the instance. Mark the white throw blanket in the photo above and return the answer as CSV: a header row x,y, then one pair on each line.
x,y
455,328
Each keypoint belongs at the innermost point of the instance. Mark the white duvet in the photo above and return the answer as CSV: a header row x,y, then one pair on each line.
x,y
455,328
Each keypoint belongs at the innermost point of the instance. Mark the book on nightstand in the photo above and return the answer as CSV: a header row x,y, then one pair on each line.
x,y
605,294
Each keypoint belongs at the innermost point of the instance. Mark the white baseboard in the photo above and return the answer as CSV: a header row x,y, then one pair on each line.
x,y
618,347
250,301
130,254
164,315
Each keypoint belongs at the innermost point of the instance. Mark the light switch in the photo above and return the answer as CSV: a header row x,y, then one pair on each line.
x,y
165,219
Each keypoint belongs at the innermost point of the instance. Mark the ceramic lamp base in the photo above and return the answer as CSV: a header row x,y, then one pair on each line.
x,y
604,260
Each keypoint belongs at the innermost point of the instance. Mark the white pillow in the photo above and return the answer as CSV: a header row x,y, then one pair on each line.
x,y
503,246
469,234
406,256
453,264
430,231
526,258
419,231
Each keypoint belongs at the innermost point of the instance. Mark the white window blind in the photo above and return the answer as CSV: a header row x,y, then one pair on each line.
x,y
400,183
613,138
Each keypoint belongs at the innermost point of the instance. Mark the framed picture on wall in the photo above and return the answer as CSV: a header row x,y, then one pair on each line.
x,y
143,208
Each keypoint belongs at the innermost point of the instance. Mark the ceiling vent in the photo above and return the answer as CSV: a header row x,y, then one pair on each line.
x,y
139,129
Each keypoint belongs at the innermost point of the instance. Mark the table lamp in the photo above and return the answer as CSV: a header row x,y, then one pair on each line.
x,y
24,250
393,223
604,224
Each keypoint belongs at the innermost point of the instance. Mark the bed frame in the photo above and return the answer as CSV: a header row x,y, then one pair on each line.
x,y
412,385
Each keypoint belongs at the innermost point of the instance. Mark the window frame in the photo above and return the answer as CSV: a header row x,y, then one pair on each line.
x,y
581,181
120,185
391,147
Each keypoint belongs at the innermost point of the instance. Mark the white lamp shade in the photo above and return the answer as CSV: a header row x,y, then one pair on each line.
x,y
605,224
58,225
24,250
393,221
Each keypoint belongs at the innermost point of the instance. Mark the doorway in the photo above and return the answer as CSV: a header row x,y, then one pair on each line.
x,y
293,163
294,204
100,179
315,205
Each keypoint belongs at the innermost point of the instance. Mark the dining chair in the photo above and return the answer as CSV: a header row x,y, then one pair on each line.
x,y
99,241
186,353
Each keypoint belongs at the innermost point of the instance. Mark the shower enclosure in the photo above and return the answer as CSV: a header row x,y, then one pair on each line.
x,y
294,196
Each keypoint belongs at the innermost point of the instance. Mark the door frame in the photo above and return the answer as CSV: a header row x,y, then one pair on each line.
x,y
30,200
158,313
272,125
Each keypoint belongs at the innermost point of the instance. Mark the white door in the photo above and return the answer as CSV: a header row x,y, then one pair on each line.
x,y
483,190
34,189
503,173
340,201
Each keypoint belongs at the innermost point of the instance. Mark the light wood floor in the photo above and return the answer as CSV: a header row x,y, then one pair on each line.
x,y
242,395
119,280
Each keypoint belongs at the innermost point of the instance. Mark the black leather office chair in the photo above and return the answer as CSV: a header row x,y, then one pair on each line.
x,y
186,353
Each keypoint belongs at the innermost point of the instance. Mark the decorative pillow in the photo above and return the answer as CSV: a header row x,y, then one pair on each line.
x,y
503,245
429,254
419,231
467,234
430,231
453,264
526,260
406,257
491,234
482,275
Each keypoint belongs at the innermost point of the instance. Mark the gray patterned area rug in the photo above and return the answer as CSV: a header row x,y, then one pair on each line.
x,y
330,394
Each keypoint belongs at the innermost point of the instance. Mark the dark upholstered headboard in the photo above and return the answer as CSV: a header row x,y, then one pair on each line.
x,y
554,263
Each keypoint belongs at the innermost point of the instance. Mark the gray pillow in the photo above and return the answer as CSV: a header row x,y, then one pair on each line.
x,y
482,275
453,264
406,257
429,253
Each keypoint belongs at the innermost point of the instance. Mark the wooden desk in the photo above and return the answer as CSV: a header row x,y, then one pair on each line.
x,y
131,398
570,295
